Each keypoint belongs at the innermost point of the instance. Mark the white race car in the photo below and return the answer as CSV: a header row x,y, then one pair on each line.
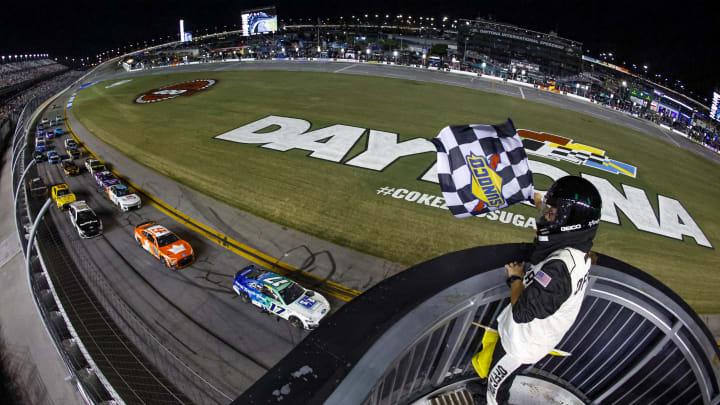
x,y
281,296
84,220
123,198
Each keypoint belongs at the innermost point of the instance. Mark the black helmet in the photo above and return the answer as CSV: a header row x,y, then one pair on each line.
x,y
576,206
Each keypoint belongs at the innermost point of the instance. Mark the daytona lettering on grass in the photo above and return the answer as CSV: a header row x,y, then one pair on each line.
x,y
333,143
438,202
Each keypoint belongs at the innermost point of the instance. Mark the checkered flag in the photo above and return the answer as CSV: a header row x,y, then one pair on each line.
x,y
482,168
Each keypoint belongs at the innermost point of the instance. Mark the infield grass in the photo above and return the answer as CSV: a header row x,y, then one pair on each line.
x,y
339,203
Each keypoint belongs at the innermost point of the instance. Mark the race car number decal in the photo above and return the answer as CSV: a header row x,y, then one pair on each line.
x,y
276,281
307,302
277,309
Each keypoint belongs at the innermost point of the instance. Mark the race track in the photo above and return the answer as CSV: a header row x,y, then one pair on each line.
x,y
194,311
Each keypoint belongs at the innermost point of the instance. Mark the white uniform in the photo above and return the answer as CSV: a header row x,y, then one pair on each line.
x,y
529,342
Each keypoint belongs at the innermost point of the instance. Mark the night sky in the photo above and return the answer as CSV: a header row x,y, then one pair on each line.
x,y
677,40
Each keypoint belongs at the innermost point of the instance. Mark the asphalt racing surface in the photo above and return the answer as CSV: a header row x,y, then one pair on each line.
x,y
194,312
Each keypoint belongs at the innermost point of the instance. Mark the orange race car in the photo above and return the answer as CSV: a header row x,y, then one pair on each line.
x,y
172,251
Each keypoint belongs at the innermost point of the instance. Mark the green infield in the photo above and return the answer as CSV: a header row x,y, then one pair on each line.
x,y
318,152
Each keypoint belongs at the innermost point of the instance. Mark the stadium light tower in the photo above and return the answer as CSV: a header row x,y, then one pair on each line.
x,y
465,52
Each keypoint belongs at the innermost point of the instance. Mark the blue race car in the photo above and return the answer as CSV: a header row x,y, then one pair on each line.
x,y
40,144
53,156
281,296
73,153
58,131
70,144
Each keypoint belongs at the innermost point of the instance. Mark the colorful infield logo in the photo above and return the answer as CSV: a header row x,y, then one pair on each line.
x,y
560,148
175,90
486,183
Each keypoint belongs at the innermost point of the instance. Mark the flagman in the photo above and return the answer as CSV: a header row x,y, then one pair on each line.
x,y
546,293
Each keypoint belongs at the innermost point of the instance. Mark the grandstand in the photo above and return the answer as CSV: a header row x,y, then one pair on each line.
x,y
22,81
18,72
507,46
480,46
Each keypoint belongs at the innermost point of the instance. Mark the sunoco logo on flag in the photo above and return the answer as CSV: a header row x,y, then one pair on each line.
x,y
482,168
486,185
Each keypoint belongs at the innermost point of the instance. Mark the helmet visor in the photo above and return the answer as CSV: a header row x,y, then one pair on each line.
x,y
547,217
553,215
548,212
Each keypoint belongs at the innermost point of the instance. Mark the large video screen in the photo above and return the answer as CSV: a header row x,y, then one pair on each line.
x,y
259,21
715,108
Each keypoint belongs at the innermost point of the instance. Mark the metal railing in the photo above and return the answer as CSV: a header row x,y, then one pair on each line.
x,y
45,298
410,339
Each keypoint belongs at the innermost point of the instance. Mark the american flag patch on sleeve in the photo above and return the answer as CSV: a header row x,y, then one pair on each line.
x,y
542,278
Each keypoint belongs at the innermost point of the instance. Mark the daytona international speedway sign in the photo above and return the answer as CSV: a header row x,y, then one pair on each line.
x,y
333,143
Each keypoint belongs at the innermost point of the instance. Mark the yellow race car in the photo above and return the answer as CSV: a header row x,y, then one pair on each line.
x,y
62,195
